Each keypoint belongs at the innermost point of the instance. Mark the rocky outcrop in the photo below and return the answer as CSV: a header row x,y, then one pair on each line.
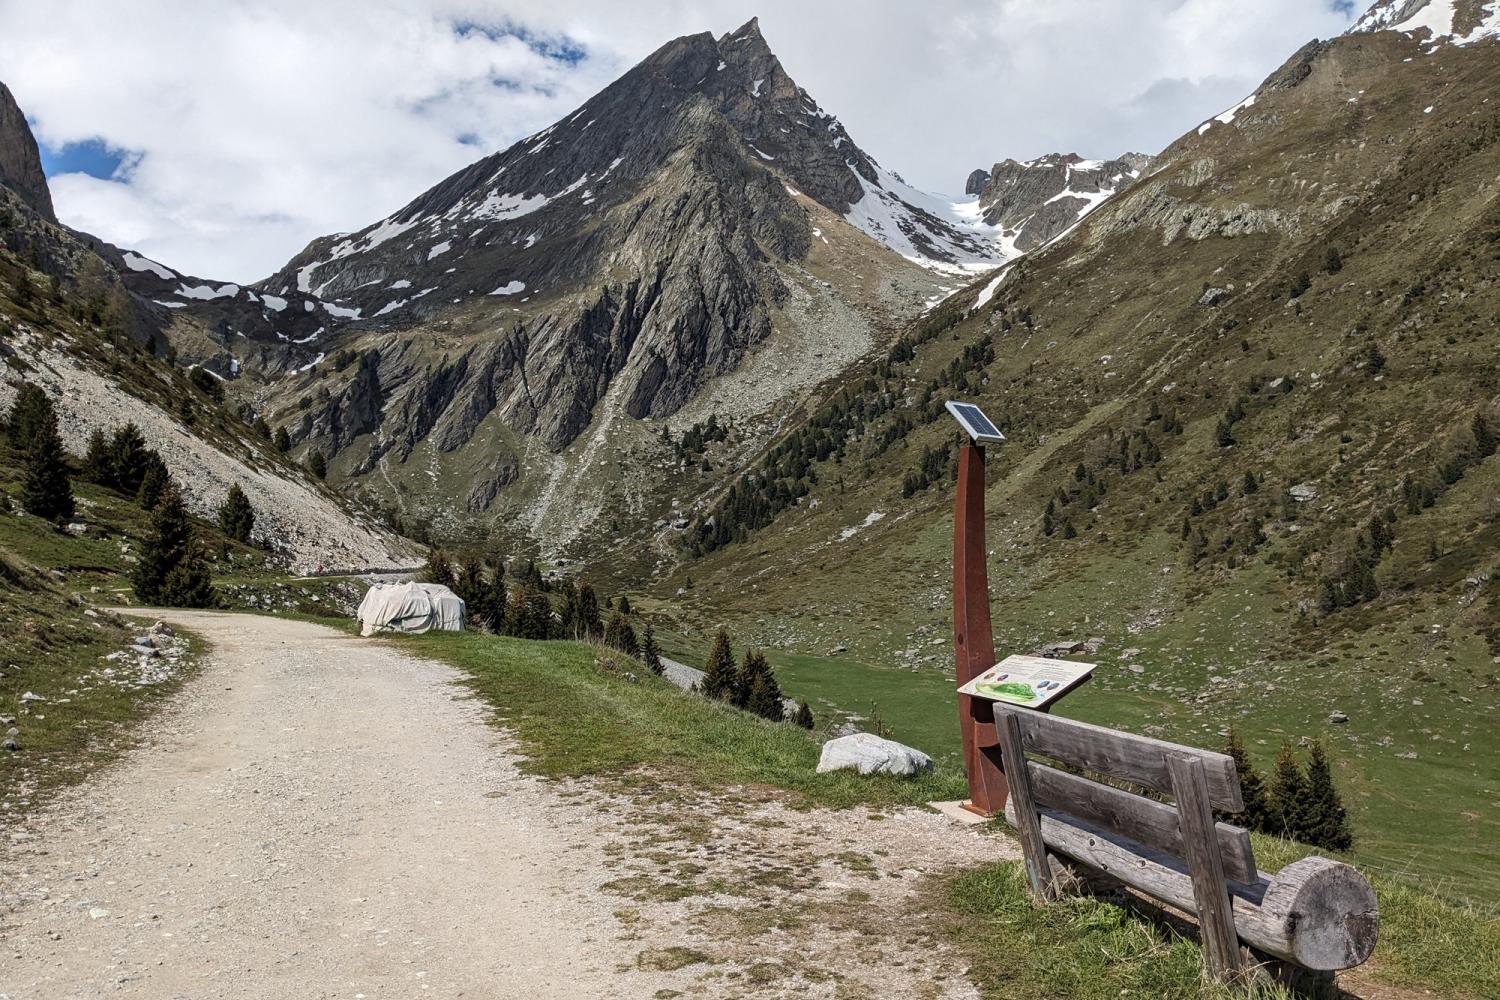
x,y
1035,200
977,181
20,161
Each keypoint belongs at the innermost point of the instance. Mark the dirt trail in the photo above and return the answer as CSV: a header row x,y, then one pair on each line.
x,y
323,816
317,817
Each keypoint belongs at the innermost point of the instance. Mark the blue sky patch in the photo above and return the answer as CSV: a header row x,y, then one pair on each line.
x,y
94,157
558,48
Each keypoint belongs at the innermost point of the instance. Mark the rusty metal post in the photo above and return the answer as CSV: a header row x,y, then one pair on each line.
x,y
973,642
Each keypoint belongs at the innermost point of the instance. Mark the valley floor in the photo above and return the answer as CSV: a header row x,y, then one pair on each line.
x,y
317,815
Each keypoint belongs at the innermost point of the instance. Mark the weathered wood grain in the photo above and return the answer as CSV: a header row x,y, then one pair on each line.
x,y
1200,848
1319,913
1033,850
1152,823
1126,756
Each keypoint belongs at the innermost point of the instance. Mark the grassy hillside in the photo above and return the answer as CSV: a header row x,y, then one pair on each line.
x,y
1256,393
638,731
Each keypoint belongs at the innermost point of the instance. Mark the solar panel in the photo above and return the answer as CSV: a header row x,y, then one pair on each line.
x,y
973,420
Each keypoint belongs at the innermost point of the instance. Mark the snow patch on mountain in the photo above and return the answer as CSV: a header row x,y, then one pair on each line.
x,y
138,263
1437,17
937,232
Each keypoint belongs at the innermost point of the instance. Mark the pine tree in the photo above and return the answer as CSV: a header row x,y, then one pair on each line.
x,y
129,459
30,411
1257,814
153,482
97,467
535,620
317,464
261,428
719,677
752,665
496,603
614,630
804,716
1326,822
569,614
438,569
764,697
469,584
236,516
651,652
586,624
170,569
45,489
624,606
1289,795
283,441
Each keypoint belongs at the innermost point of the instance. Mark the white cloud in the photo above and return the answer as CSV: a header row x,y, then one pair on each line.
x,y
262,125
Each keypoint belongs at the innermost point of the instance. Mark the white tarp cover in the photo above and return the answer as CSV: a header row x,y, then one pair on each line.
x,y
410,607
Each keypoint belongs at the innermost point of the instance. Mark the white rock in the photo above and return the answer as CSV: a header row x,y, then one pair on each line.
x,y
870,754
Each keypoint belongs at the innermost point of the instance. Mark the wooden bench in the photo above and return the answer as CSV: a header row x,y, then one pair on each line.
x,y
1317,914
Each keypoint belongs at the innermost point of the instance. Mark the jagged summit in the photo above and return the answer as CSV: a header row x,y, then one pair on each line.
x,y
20,161
1033,201
1460,22
492,222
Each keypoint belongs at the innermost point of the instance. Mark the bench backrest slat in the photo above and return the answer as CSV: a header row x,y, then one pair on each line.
x,y
1124,756
1154,824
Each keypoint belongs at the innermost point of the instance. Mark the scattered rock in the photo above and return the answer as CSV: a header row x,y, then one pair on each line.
x,y
1213,296
32,696
163,629
836,650
1303,492
870,754
1338,718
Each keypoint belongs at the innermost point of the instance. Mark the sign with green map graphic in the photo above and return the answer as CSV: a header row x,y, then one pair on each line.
x,y
1032,681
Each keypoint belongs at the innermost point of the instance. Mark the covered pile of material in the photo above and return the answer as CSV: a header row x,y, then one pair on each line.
x,y
410,607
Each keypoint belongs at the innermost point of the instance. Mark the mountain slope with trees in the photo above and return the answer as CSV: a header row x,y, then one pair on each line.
x,y
1251,405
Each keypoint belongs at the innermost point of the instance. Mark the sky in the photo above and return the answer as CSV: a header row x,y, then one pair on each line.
x,y
221,136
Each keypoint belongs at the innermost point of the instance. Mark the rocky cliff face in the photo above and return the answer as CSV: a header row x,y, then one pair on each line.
x,y
20,162
1036,200
700,222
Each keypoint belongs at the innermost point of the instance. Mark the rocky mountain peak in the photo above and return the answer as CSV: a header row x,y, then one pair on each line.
x,y
1035,200
1460,22
20,161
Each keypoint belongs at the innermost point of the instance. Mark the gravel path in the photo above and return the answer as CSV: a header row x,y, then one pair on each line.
x,y
316,816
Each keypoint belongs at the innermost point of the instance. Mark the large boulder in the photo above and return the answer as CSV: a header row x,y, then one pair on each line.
x,y
869,754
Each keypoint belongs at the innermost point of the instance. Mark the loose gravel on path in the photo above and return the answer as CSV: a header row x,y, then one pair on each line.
x,y
322,816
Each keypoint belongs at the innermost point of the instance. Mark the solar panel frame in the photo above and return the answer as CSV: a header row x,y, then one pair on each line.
x,y
982,429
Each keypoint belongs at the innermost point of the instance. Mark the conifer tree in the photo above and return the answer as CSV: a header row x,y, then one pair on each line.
x,y
753,666
535,614
804,716
30,411
317,464
568,616
1289,794
624,606
236,516
283,441
613,630
497,603
153,482
764,697
1256,815
129,459
438,569
45,489
586,623
1326,822
171,570
469,584
651,652
720,678
96,460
